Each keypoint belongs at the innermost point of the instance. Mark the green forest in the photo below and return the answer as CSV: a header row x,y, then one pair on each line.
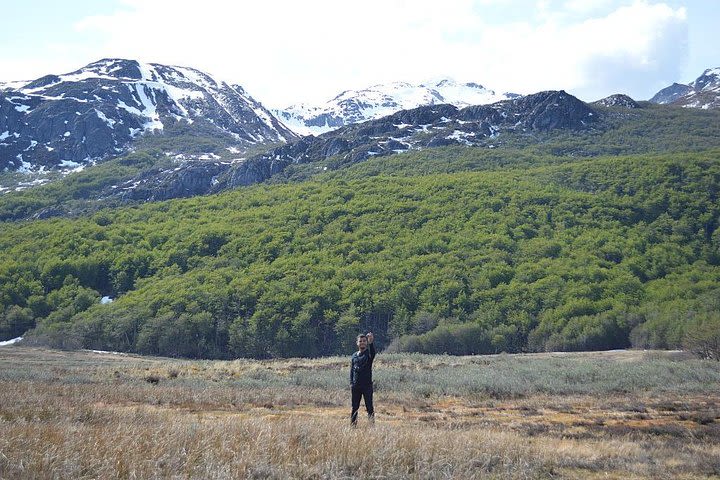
x,y
448,250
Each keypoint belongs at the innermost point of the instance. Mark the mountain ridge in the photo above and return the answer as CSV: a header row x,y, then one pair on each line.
x,y
703,92
376,101
98,110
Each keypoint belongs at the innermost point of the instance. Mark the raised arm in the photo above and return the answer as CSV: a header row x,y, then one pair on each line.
x,y
371,345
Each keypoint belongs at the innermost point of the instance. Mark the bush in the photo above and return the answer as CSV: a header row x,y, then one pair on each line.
x,y
14,322
463,339
702,336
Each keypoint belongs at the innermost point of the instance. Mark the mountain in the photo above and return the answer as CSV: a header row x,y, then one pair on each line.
x,y
703,93
139,176
355,106
617,100
415,129
669,94
99,110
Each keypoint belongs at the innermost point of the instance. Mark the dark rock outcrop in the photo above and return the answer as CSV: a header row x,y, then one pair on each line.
x,y
186,180
549,110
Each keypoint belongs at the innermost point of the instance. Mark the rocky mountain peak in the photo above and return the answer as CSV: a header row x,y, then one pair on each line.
x,y
708,81
119,68
99,110
617,100
703,92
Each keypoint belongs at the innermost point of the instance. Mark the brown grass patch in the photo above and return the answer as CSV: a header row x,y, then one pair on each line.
x,y
85,415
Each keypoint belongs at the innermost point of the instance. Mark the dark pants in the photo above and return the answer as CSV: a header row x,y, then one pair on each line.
x,y
357,393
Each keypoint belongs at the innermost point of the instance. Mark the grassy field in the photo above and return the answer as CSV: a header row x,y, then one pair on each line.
x,y
624,414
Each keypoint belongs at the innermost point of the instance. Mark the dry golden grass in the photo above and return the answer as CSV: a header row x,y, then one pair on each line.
x,y
89,415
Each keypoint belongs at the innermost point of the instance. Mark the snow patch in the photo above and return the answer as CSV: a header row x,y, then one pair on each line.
x,y
150,110
147,72
14,85
25,167
461,137
195,76
107,352
39,181
69,164
109,121
129,109
10,342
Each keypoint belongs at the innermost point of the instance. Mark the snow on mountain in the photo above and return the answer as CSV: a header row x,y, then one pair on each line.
x,y
355,106
702,93
708,81
99,109
12,85
617,100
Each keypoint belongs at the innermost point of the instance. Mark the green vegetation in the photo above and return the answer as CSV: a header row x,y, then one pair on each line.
x,y
569,254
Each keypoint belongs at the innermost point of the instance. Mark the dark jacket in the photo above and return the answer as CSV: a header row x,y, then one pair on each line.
x,y
361,367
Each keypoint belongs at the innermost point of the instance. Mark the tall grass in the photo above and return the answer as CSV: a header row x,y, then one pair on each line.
x,y
620,415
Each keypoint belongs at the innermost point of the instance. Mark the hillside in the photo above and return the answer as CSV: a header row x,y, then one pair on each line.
x,y
162,176
547,125
477,251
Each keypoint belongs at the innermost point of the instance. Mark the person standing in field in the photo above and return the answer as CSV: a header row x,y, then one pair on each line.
x,y
361,383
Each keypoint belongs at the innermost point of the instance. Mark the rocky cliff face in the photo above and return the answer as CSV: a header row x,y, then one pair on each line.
x,y
704,92
72,119
187,180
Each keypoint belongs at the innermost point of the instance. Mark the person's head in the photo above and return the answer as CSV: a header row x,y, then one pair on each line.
x,y
362,341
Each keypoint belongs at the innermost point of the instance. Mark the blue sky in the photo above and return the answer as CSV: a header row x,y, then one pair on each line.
x,y
285,52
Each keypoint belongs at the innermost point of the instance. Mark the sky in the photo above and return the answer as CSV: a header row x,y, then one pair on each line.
x,y
285,52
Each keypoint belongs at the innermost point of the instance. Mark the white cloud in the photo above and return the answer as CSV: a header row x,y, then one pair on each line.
x,y
586,6
628,50
283,51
